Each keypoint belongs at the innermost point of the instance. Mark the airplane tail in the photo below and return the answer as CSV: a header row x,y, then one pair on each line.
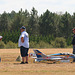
x,y
39,54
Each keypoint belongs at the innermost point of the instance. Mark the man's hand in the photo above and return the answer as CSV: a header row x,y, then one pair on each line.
x,y
22,39
0,39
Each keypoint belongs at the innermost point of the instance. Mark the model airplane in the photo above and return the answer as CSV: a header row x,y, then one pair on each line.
x,y
61,57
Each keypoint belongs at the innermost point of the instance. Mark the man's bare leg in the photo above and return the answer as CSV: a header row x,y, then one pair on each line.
x,y
23,59
27,59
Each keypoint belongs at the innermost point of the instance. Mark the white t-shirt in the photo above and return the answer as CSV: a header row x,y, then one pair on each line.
x,y
25,44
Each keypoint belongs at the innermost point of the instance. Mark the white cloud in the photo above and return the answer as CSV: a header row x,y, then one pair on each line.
x,y
40,5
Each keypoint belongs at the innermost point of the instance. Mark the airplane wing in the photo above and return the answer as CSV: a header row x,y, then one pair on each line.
x,y
55,59
34,57
47,58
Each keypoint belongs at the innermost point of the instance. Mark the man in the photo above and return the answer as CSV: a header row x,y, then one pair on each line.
x,y
73,42
24,45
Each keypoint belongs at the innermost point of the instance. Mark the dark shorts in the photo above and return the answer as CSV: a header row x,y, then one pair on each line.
x,y
24,51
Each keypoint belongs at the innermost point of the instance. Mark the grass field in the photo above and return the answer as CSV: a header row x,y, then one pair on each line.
x,y
9,65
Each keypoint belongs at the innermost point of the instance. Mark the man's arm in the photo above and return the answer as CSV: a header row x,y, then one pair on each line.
x,y
22,39
0,39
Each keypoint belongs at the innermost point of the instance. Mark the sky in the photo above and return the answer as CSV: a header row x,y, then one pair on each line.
x,y
41,6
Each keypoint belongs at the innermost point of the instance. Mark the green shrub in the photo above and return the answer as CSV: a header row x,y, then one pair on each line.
x,y
2,44
10,44
59,42
41,44
32,44
70,46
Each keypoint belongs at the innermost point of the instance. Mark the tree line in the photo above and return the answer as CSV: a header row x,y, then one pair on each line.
x,y
46,28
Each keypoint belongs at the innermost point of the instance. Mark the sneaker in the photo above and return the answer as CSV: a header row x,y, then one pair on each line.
x,y
26,62
22,63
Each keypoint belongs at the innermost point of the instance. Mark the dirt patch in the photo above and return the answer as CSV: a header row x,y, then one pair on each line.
x,y
9,65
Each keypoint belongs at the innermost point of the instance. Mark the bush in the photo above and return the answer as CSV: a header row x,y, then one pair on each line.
x,y
70,46
59,43
10,44
41,44
2,44
32,44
